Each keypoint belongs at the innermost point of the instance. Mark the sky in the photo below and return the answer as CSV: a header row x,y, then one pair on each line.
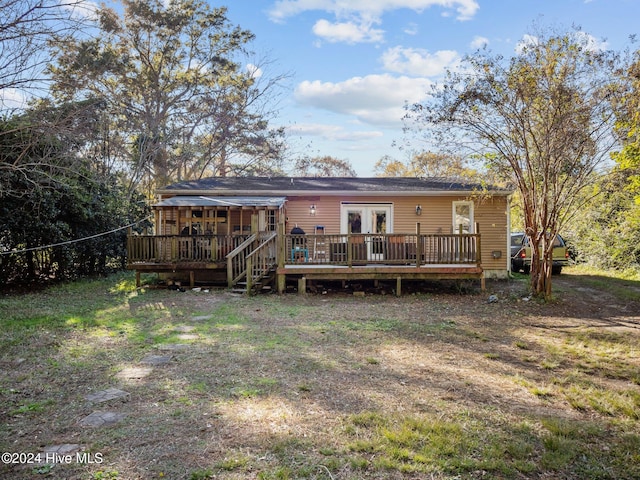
x,y
352,65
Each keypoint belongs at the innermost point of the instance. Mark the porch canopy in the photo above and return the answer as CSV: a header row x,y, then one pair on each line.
x,y
241,202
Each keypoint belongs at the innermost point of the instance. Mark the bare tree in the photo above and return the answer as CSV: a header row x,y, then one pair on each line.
x,y
542,119
427,164
26,30
323,166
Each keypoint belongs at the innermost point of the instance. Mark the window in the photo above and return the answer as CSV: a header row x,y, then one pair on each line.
x,y
463,217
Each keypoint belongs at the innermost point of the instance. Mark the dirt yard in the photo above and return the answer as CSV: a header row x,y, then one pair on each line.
x,y
439,384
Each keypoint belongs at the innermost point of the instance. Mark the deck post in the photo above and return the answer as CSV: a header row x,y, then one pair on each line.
x,y
479,249
192,278
302,286
137,278
418,246
398,286
249,266
281,278
229,272
349,249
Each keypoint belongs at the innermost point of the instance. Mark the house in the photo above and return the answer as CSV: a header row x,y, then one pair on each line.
x,y
242,230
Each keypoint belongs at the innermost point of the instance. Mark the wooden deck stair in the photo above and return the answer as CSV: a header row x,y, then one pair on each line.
x,y
259,284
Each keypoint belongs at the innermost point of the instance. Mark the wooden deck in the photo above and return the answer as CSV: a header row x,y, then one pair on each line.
x,y
398,273
248,259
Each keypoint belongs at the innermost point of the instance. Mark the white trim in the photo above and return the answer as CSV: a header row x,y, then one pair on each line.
x,y
366,209
455,225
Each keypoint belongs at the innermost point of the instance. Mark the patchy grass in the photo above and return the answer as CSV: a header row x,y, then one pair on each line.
x,y
439,385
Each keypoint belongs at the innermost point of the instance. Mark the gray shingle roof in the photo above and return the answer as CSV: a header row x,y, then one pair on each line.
x,y
284,185
226,201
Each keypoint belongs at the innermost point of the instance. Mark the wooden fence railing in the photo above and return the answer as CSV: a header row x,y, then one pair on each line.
x,y
262,259
388,249
335,249
177,248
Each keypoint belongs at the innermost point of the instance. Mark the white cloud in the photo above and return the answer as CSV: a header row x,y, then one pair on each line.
x,y
81,9
586,40
479,42
590,42
527,41
282,9
419,62
374,99
412,29
253,70
354,18
348,32
332,132
12,98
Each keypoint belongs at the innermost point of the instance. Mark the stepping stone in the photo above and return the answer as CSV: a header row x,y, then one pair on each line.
x,y
102,419
201,318
56,453
173,347
188,336
157,359
134,373
185,328
63,449
106,395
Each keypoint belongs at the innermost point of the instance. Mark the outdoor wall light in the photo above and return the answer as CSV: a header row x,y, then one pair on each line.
x,y
418,209
312,210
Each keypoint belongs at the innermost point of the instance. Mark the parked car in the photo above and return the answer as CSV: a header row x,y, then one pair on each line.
x,y
521,254
516,245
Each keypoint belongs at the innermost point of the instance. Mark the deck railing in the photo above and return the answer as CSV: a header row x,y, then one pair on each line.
x,y
262,259
337,249
181,249
388,249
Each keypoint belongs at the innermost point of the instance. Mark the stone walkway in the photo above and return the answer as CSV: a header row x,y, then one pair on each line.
x,y
114,397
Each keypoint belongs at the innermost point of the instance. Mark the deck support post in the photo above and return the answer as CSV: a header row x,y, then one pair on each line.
x,y
302,286
281,279
418,246
192,278
249,266
398,286
137,278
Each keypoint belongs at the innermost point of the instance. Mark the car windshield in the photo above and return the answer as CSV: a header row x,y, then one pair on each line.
x,y
557,242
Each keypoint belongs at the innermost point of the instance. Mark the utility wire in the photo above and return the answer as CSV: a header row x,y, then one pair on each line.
x,y
68,242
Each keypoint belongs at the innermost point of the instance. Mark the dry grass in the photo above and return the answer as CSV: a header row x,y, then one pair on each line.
x,y
431,385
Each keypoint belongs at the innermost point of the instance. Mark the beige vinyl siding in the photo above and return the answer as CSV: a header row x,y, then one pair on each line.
x,y
437,217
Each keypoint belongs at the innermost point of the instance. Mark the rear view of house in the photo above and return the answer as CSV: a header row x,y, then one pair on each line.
x,y
251,230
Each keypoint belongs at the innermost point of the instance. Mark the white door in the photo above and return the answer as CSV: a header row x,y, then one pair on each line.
x,y
374,219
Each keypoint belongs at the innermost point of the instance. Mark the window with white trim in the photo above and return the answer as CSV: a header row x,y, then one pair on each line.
x,y
463,216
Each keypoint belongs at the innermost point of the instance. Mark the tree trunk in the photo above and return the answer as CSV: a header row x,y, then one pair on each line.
x,y
541,266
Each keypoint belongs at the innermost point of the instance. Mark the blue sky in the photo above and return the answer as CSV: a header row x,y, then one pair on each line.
x,y
354,63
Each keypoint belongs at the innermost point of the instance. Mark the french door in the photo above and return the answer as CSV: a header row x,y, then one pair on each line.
x,y
374,220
